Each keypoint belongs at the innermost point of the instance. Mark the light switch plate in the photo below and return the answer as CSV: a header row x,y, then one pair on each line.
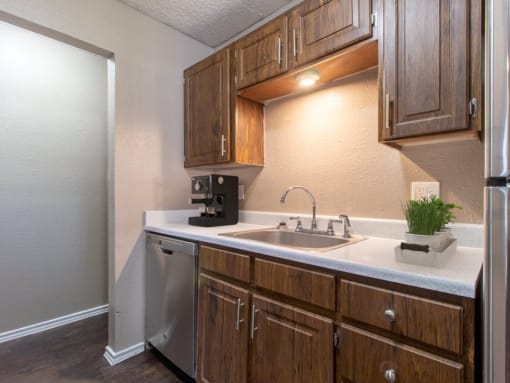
x,y
420,190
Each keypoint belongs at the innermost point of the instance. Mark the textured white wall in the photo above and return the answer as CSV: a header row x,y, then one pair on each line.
x,y
53,158
150,58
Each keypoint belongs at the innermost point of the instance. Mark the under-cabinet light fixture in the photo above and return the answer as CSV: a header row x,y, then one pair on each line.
x,y
308,78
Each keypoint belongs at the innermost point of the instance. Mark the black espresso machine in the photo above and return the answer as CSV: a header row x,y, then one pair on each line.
x,y
220,198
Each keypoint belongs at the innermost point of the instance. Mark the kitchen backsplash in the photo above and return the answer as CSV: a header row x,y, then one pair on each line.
x,y
327,141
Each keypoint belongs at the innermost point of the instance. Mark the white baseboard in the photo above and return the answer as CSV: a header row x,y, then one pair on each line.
x,y
115,357
52,323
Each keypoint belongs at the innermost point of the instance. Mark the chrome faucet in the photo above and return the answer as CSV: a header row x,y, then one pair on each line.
x,y
347,225
312,199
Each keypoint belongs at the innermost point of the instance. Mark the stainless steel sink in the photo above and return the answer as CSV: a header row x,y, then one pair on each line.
x,y
302,241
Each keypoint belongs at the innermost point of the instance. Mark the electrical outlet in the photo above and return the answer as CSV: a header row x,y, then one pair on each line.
x,y
241,192
420,190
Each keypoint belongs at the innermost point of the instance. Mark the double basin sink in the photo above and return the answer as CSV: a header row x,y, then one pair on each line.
x,y
296,240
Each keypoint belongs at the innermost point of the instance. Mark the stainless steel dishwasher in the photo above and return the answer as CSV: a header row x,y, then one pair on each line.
x,y
171,297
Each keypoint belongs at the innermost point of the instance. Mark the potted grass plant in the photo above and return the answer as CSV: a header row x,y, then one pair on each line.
x,y
447,216
425,220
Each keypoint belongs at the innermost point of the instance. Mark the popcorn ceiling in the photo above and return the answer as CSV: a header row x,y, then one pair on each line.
x,y
211,22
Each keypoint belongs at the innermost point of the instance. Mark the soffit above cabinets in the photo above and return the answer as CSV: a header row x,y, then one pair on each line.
x,y
212,22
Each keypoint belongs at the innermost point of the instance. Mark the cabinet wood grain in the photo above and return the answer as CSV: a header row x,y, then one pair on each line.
x,y
230,264
426,82
429,337
220,128
248,134
263,53
207,111
320,27
290,345
306,285
365,357
435,323
222,332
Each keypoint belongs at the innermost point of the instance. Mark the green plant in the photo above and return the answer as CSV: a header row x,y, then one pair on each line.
x,y
445,211
423,217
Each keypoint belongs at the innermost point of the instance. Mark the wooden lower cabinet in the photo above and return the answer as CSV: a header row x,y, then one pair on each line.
x,y
266,321
222,332
289,344
281,343
435,323
365,357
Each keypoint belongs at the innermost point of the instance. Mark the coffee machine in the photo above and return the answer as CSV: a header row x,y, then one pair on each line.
x,y
220,198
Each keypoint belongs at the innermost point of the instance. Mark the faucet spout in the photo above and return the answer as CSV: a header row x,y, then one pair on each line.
x,y
312,199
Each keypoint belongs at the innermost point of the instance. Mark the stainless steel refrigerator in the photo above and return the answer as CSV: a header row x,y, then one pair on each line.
x,y
496,281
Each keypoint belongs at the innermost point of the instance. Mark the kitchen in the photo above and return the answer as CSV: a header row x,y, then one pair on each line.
x,y
149,173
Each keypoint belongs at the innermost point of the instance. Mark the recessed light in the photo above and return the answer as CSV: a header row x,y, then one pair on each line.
x,y
308,78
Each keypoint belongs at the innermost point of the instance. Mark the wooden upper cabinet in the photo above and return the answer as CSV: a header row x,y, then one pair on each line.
x,y
320,27
207,110
430,67
263,53
289,344
222,332
219,127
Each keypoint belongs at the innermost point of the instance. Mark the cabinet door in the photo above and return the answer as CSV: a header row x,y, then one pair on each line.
x,y
320,27
207,111
425,88
222,332
369,358
289,345
262,54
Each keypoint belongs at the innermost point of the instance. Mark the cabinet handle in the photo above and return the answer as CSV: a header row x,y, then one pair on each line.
x,y
390,315
238,319
279,50
294,42
166,251
223,140
387,107
390,375
254,310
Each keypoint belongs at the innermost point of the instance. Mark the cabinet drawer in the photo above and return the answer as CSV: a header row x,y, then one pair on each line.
x,y
230,264
308,286
424,320
376,356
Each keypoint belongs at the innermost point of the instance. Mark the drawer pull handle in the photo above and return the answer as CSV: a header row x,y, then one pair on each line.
x,y
294,44
238,319
387,110
254,311
279,50
223,141
390,375
390,315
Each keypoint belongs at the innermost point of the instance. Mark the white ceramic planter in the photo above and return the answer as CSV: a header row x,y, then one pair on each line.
x,y
435,241
446,236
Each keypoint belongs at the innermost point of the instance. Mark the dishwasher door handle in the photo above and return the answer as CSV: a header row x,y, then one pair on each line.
x,y
166,251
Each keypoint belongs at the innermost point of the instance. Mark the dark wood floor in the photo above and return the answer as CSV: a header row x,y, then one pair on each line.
x,y
74,353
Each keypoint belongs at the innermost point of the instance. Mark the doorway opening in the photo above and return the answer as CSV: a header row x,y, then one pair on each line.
x,y
56,185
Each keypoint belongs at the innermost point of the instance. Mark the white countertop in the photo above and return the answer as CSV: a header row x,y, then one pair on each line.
x,y
373,257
